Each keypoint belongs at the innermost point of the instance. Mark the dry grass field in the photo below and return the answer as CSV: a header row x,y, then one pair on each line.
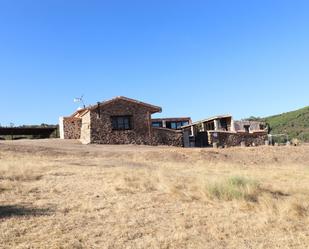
x,y
60,194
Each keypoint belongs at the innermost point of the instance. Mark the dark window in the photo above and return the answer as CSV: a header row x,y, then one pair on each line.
x,y
210,126
156,124
223,124
184,123
247,128
121,122
173,125
176,125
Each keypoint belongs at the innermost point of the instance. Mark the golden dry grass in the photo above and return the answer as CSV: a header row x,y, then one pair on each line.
x,y
60,194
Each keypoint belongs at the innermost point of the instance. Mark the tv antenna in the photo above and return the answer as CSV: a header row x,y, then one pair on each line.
x,y
80,100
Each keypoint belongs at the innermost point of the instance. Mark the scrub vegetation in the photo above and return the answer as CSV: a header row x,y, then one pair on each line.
x,y
60,194
295,124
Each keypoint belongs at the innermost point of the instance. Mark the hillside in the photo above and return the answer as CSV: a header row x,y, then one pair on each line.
x,y
294,123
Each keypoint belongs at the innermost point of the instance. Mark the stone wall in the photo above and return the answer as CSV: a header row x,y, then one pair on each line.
x,y
254,125
163,136
235,139
71,127
101,125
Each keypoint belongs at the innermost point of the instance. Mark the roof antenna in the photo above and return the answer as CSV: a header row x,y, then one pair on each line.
x,y
80,99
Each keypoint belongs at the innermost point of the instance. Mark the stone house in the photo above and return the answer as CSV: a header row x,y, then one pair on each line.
x,y
120,120
224,131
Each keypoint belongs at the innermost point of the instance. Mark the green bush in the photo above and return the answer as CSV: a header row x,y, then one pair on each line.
x,y
235,187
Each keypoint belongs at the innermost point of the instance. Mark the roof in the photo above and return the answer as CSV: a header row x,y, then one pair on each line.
x,y
208,119
171,119
82,112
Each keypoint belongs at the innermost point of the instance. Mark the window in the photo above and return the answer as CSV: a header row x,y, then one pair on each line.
x,y
210,126
184,123
176,125
121,122
156,124
247,128
173,125
223,123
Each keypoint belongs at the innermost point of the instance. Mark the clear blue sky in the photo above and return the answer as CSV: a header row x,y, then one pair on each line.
x,y
192,58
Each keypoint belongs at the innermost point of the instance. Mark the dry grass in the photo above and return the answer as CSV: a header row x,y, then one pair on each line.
x,y
59,194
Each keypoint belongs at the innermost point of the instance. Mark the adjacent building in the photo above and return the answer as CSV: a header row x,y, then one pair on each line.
x,y
224,131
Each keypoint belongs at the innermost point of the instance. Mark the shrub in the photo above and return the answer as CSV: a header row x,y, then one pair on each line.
x,y
295,142
235,187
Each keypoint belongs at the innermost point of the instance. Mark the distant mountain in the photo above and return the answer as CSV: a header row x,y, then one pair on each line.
x,y
294,123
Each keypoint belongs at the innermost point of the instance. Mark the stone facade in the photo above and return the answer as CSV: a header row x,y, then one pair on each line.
x,y
253,125
164,136
126,121
96,124
102,132
235,139
71,128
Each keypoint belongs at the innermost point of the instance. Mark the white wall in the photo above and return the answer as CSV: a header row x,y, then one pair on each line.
x,y
61,128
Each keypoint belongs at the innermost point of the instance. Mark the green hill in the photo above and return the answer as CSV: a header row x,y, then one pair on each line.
x,y
295,124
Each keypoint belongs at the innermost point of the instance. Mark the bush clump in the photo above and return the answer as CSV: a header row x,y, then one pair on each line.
x,y
235,187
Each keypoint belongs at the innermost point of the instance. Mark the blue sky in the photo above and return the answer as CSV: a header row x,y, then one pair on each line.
x,y
192,58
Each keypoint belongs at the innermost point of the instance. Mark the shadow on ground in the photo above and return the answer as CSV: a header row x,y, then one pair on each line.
x,y
17,210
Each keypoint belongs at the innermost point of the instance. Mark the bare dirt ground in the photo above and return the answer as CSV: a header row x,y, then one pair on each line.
x,y
61,194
